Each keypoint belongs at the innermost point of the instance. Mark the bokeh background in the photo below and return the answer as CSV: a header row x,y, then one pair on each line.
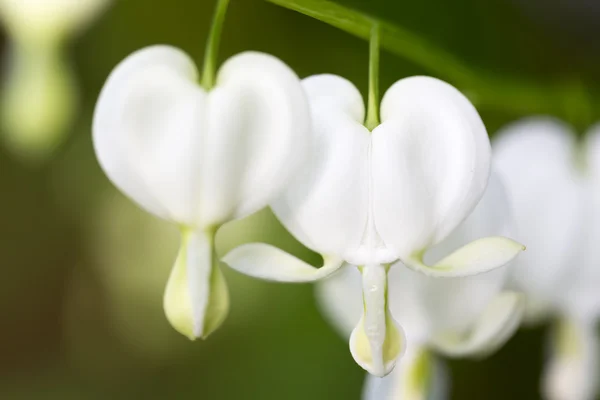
x,y
83,269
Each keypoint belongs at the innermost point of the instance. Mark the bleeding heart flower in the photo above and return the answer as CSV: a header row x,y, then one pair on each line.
x,y
199,157
554,183
373,198
457,317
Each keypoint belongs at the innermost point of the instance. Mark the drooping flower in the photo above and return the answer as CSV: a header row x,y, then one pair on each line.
x,y
457,317
373,198
200,157
554,184
39,91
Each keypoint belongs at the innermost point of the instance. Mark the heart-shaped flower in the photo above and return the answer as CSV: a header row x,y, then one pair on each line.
x,y
200,158
456,317
373,198
554,183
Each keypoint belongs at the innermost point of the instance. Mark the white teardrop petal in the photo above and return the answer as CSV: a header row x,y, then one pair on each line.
x,y
148,128
325,206
495,326
265,261
431,161
196,300
377,341
258,136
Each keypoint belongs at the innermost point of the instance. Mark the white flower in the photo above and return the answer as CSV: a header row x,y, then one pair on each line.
x,y
554,183
39,93
48,21
372,198
456,317
200,158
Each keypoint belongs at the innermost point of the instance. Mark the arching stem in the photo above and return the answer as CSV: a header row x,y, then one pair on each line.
x,y
372,120
212,45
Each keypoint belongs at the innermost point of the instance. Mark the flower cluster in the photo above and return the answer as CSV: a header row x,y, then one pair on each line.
x,y
412,215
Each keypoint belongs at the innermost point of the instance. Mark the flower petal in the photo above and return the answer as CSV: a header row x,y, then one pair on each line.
x,y
479,256
418,376
326,205
196,299
258,136
535,160
377,342
572,371
265,261
494,327
147,131
431,161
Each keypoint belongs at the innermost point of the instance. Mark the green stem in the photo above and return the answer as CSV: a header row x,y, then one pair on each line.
x,y
212,45
486,90
372,120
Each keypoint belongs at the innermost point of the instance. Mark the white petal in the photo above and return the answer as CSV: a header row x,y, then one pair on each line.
x,y
201,159
418,376
431,161
572,371
481,255
494,327
535,159
326,205
258,136
423,305
196,300
377,341
147,131
265,261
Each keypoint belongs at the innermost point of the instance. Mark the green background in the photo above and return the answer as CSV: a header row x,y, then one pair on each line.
x,y
83,269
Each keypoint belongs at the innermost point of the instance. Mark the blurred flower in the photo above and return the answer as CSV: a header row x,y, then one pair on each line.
x,y
456,317
555,188
39,92
372,199
200,157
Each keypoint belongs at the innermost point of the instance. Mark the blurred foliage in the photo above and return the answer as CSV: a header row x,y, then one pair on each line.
x,y
84,269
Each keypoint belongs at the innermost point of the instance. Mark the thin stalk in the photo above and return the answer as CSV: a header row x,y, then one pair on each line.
x,y
372,120
212,45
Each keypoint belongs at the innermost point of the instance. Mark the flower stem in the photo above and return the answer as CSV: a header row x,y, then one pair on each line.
x,y
372,120
212,45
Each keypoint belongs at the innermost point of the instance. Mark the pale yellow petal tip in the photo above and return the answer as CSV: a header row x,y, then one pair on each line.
x,y
378,362
195,320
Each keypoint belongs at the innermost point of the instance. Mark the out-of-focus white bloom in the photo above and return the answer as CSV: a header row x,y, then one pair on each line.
x,y
200,158
47,21
554,184
372,198
455,317
39,93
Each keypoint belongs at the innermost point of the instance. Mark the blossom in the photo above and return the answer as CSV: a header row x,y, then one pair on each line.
x,y
200,157
467,316
554,184
372,198
39,92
